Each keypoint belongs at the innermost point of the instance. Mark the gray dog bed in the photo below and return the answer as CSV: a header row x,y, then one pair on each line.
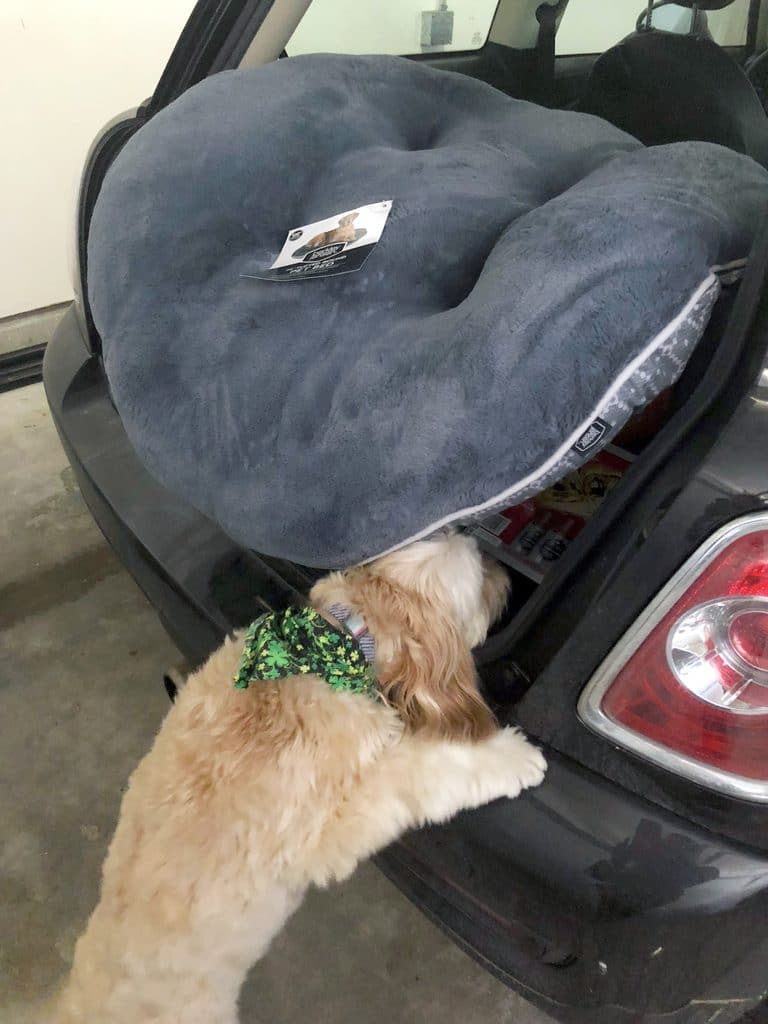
x,y
541,276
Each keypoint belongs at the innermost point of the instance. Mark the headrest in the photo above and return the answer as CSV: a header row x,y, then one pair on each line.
x,y
705,5
664,87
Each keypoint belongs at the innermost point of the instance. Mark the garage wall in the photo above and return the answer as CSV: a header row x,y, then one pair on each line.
x,y
354,26
68,66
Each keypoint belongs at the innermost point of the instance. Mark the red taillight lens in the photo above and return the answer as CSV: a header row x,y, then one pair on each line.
x,y
687,687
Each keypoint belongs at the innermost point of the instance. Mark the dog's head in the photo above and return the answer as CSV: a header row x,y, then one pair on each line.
x,y
427,606
348,219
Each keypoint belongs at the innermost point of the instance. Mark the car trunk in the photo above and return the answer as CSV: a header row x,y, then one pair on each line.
x,y
544,606
556,618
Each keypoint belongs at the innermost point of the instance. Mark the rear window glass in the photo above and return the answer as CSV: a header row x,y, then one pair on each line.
x,y
400,27
592,26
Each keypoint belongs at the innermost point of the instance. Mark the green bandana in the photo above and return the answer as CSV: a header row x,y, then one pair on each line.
x,y
299,641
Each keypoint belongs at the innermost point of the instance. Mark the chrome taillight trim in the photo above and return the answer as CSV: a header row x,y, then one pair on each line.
x,y
589,709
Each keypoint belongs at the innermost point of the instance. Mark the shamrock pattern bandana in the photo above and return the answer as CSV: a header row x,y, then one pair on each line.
x,y
299,641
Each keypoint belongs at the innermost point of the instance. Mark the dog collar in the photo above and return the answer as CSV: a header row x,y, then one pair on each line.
x,y
299,641
355,625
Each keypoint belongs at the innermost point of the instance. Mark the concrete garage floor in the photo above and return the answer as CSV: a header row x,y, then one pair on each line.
x,y
81,657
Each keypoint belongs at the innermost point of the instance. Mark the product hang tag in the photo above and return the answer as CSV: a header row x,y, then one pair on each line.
x,y
337,245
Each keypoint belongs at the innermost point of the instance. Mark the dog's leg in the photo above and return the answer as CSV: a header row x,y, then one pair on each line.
x,y
127,970
417,782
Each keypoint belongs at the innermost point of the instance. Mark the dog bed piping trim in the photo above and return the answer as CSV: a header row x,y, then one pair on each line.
x,y
498,500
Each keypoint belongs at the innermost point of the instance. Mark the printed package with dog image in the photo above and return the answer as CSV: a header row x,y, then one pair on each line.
x,y
532,536
339,244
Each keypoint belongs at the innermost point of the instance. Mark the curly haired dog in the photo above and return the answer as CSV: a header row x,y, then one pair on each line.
x,y
250,796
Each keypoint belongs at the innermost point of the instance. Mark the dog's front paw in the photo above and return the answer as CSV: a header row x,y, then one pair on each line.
x,y
521,765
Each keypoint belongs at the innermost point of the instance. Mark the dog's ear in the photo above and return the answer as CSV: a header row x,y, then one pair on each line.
x,y
430,678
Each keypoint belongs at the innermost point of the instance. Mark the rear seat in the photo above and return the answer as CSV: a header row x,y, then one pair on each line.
x,y
663,87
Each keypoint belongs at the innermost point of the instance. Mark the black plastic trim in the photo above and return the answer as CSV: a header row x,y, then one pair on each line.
x,y
241,36
21,367
715,476
202,46
753,24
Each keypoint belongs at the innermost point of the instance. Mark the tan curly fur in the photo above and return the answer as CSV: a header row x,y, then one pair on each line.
x,y
248,797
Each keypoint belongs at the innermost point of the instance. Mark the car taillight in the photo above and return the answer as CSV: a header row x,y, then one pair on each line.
x,y
687,686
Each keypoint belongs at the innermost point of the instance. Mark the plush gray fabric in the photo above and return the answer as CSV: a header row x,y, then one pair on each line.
x,y
540,270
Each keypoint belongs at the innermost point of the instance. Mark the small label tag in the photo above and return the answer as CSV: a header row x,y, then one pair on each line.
x,y
730,273
592,436
337,245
